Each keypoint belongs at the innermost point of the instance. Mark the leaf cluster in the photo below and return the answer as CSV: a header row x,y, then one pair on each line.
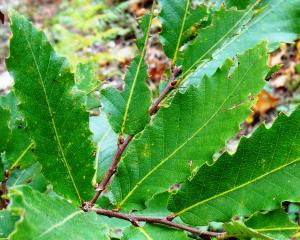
x,y
145,168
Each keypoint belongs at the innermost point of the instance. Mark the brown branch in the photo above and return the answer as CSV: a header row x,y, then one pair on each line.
x,y
171,86
110,172
155,107
154,220
122,146
3,190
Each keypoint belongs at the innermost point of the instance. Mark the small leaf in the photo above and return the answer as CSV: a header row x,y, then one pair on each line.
x,y
57,122
152,232
128,111
255,178
182,136
51,217
85,78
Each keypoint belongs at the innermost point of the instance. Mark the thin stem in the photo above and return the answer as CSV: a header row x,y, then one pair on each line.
x,y
110,172
3,189
154,220
171,86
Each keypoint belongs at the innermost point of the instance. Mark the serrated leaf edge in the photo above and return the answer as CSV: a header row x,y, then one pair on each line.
x,y
11,13
119,205
198,64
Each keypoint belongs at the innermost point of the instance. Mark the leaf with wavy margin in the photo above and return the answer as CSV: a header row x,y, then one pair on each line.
x,y
264,172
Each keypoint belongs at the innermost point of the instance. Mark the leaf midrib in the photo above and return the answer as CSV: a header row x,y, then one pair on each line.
x,y
19,158
237,187
136,75
183,144
146,235
61,223
277,229
181,32
65,162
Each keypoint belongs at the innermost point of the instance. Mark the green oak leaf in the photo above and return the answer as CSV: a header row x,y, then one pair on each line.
x,y
7,223
183,16
273,21
264,172
51,217
152,232
57,122
182,136
225,24
127,111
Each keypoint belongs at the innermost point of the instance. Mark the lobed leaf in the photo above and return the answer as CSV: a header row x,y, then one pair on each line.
x,y
51,217
182,136
127,111
57,122
263,173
